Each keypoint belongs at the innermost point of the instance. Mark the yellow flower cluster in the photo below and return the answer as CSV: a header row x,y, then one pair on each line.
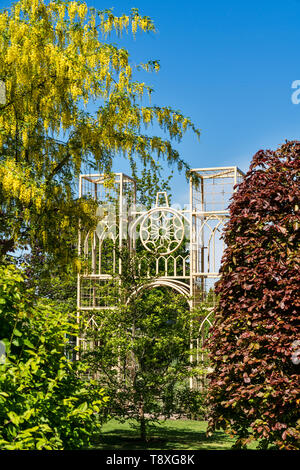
x,y
134,25
65,222
147,115
144,24
12,54
61,10
34,5
124,22
16,185
82,10
72,10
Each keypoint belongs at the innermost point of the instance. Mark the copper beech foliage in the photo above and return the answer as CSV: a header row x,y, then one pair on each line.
x,y
254,389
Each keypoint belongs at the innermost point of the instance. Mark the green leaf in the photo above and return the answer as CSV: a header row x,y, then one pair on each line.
x,y
83,406
16,332
14,418
28,343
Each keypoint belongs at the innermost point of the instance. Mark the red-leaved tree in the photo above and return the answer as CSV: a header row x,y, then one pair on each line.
x,y
254,389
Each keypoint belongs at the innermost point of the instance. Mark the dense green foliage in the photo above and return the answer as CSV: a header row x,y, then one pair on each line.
x,y
148,183
254,390
44,402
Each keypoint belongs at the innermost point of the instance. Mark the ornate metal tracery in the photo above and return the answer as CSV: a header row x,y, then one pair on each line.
x,y
162,231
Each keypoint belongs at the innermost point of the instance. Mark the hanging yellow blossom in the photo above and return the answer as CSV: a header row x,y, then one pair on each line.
x,y
54,58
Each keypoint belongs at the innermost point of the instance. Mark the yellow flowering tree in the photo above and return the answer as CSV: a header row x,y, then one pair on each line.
x,y
72,100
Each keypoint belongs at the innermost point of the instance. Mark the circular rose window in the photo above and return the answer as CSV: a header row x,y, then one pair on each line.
x,y
162,231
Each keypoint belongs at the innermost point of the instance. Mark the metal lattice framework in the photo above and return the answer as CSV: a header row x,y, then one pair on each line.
x,y
186,242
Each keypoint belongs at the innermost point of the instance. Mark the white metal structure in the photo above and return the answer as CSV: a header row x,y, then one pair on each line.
x,y
186,242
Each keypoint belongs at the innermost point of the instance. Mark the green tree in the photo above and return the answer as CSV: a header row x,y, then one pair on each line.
x,y
148,183
140,350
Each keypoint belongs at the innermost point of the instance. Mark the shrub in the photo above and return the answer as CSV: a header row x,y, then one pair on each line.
x,y
44,402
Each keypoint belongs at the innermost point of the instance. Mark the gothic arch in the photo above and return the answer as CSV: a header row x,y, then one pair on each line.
x,y
177,286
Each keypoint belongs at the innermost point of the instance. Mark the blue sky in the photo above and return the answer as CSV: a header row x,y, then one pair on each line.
x,y
229,66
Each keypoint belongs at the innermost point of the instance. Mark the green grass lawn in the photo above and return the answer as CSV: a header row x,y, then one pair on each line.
x,y
171,435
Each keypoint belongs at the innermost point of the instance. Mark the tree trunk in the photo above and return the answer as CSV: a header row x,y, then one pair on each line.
x,y
142,420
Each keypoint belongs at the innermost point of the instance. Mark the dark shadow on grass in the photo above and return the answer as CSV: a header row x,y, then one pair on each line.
x,y
162,438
